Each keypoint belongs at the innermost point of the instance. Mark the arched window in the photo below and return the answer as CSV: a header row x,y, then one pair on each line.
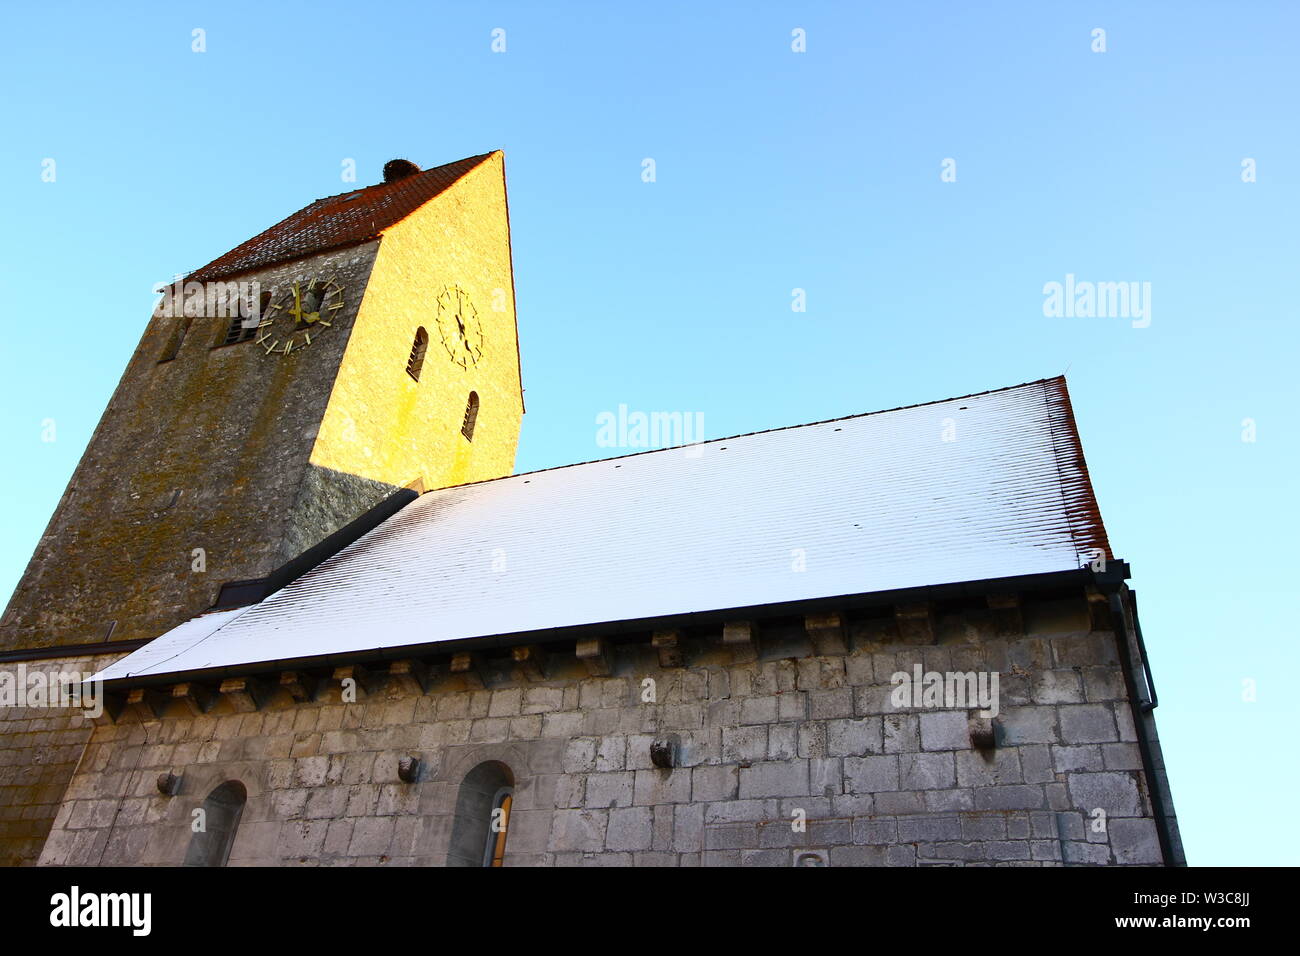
x,y
471,416
418,348
479,828
210,846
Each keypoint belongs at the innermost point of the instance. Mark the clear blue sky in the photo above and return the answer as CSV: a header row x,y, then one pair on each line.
x,y
775,171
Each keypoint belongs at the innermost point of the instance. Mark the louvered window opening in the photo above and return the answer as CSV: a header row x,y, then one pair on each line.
x,y
238,331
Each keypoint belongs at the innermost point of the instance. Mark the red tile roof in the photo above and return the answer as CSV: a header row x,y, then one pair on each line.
x,y
343,220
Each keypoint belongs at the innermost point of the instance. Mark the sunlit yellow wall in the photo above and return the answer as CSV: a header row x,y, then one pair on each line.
x,y
380,424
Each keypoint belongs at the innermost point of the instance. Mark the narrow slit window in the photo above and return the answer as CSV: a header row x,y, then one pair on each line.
x,y
418,348
471,416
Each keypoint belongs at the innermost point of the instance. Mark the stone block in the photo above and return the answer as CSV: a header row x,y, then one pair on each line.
x,y
1116,793
714,783
926,771
829,704
629,828
578,830
929,828
788,778
505,702
825,776
1029,725
945,730
744,744
782,741
988,769
1085,757
949,801
759,710
1057,687
871,774
1087,724
854,737
1022,797
1134,842
662,786
875,830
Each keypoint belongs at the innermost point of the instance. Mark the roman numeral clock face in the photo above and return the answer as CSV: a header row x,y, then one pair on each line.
x,y
458,324
300,315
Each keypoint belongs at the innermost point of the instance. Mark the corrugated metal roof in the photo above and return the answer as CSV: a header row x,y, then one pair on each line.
x,y
870,503
343,220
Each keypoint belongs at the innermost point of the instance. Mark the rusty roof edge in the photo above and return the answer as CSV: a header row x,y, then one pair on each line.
x,y
1080,498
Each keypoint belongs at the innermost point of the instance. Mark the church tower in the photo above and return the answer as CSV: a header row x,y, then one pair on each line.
x,y
365,344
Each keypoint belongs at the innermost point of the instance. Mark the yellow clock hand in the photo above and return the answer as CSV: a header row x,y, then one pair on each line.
x,y
296,310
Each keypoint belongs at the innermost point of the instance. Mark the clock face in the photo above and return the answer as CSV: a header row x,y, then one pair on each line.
x,y
299,315
458,324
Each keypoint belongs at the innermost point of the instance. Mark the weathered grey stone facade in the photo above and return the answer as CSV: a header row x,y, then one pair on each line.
x,y
39,749
797,725
209,450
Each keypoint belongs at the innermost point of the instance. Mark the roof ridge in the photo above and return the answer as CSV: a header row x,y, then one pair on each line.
x,y
424,172
331,222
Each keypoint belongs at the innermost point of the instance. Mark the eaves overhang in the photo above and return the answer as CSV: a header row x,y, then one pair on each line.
x,y
1079,578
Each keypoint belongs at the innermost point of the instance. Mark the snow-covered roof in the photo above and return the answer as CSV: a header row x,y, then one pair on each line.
x,y
969,489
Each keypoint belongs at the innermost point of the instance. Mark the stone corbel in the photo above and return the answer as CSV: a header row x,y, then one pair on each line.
x,y
300,685
915,622
742,638
244,694
594,652
530,662
669,646
827,634
196,698
146,703
410,675
1008,621
368,682
466,665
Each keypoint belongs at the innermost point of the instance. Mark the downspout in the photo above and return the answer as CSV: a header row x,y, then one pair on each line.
x,y
1140,708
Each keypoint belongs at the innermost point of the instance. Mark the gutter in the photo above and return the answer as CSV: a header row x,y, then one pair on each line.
x,y
1080,577
1141,706
61,651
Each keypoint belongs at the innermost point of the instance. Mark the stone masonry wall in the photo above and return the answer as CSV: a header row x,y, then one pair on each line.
x,y
765,738
207,450
39,749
